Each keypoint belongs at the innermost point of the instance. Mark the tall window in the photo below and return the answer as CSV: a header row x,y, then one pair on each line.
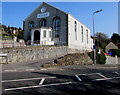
x,y
82,32
31,24
56,27
44,34
42,23
75,30
87,35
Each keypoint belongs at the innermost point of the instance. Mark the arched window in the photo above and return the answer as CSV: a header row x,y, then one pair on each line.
x,y
31,24
42,23
56,27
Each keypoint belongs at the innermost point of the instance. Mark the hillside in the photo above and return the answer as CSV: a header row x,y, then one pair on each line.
x,y
9,32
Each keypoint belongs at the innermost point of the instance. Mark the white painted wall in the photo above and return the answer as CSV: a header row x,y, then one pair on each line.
x,y
43,40
78,44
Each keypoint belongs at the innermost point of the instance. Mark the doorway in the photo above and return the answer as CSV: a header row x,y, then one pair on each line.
x,y
36,37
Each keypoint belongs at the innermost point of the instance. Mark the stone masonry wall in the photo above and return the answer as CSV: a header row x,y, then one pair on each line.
x,y
112,60
6,43
27,54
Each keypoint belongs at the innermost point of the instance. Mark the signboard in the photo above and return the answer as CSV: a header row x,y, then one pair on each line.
x,y
42,15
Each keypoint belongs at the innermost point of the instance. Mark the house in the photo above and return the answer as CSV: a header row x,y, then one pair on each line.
x,y
110,46
47,24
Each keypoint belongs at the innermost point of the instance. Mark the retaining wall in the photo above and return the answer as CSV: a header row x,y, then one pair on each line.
x,y
112,60
6,43
26,54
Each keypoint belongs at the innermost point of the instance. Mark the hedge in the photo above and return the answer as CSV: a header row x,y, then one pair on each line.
x,y
100,58
115,52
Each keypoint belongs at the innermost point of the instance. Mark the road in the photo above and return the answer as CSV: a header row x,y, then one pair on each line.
x,y
69,80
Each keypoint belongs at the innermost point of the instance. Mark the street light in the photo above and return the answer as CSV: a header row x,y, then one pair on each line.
x,y
94,47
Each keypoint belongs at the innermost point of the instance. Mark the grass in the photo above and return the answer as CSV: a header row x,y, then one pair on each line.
x,y
5,36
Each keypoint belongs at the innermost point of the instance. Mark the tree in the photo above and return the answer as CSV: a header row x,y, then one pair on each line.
x,y
115,38
8,31
20,34
101,40
101,35
19,28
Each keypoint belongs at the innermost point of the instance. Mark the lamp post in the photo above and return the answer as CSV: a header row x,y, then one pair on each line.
x,y
94,47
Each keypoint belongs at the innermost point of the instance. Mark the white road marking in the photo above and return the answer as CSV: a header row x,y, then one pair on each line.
x,y
105,79
43,69
78,78
102,75
26,79
116,73
19,88
41,82
9,70
30,69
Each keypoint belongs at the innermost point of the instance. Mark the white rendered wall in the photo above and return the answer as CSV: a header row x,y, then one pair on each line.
x,y
47,38
43,40
78,44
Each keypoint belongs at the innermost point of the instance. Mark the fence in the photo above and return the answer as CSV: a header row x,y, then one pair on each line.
x,y
31,43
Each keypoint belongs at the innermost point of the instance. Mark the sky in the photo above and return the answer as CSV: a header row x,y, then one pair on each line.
x,y
106,21
119,18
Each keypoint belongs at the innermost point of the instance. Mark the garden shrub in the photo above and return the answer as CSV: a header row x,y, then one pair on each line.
x,y
100,58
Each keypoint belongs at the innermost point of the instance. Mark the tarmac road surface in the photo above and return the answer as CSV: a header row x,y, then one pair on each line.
x,y
69,80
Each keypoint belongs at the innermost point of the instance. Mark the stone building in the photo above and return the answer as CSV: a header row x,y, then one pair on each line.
x,y
63,28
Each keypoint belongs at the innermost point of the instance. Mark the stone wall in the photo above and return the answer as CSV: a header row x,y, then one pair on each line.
x,y
112,60
6,43
33,53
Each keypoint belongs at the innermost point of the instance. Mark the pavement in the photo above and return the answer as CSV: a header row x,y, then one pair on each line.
x,y
25,66
36,65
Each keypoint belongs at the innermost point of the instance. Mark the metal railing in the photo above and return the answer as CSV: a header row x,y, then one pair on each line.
x,y
31,43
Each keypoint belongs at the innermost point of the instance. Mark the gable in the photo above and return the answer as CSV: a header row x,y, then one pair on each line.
x,y
110,46
42,10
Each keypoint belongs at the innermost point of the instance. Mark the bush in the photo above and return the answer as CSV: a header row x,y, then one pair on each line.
x,y
118,52
100,58
115,52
